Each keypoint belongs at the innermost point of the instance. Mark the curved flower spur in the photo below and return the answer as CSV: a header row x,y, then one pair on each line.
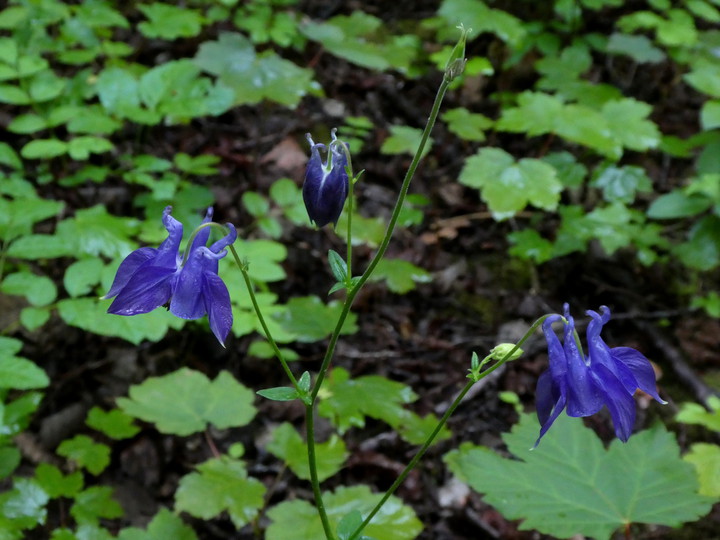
x,y
326,184
151,277
583,385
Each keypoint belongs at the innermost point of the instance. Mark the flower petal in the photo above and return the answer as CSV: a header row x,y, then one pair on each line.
x,y
641,369
550,400
187,302
148,288
217,305
583,396
620,404
128,267
167,252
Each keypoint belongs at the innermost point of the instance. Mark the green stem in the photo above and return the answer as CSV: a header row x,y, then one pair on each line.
x,y
352,293
348,278
310,435
258,312
421,452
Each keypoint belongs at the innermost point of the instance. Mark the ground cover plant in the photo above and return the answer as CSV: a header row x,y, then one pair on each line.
x,y
214,326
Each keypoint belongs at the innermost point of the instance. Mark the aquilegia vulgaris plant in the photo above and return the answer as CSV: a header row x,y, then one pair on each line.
x,y
191,288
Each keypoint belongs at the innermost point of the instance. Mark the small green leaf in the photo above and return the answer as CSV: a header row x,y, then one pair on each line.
x,y
185,401
621,183
115,423
304,381
693,413
170,22
57,485
220,485
337,266
82,275
80,148
44,149
287,445
10,458
38,290
255,204
404,140
466,125
401,276
90,455
710,115
20,373
677,204
349,524
311,320
571,485
639,48
27,123
94,504
165,525
706,459
279,393
201,165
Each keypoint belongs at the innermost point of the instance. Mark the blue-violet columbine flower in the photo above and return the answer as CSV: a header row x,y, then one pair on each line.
x,y
326,184
582,385
149,278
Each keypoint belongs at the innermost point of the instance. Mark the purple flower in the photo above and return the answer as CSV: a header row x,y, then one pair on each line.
x,y
149,278
582,385
326,184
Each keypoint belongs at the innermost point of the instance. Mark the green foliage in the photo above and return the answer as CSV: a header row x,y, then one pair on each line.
x,y
571,485
18,372
404,140
508,186
308,319
85,453
186,401
164,525
94,504
253,77
219,485
363,40
706,459
693,413
344,401
287,445
401,276
114,424
298,520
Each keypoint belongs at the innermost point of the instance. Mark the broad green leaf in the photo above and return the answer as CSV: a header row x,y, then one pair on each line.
x,y
401,276
527,244
41,246
114,423
311,320
27,123
287,445
186,401
91,314
705,77
81,276
164,526
33,318
627,120
255,204
621,183
38,290
57,485
508,186
571,485
571,173
536,113
299,520
202,165
80,148
706,459
263,257
219,485
167,21
86,453
404,140
12,95
18,413
9,157
93,504
118,91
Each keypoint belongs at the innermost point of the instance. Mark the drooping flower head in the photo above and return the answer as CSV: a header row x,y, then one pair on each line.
x,y
149,278
582,385
326,184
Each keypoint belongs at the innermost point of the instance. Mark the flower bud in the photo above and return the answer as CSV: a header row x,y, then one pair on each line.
x,y
326,184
